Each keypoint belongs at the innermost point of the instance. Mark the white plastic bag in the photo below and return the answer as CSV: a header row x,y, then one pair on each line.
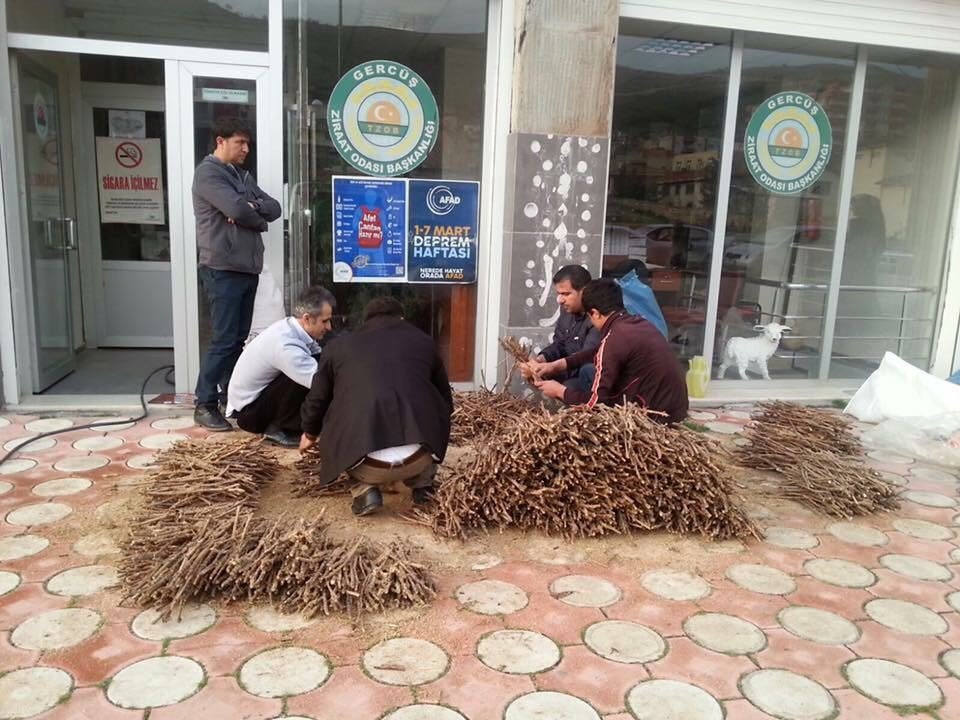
x,y
897,389
268,306
931,439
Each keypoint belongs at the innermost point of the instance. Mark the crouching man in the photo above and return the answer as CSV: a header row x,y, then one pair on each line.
x,y
634,362
379,408
274,372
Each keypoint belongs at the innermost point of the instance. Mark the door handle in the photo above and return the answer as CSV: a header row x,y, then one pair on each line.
x,y
48,241
71,234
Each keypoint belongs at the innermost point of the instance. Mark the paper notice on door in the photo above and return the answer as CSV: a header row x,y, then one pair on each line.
x,y
127,123
130,179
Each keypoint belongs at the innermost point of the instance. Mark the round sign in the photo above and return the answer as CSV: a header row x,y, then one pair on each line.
x,y
382,118
788,143
128,155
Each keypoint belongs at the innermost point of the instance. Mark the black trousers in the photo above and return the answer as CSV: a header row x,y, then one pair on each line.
x,y
278,405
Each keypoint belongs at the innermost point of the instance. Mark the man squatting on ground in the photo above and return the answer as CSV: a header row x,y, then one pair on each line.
x,y
231,212
379,408
634,362
275,370
573,332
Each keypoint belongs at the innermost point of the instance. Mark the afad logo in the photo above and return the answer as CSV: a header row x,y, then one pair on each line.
x,y
788,143
382,118
441,200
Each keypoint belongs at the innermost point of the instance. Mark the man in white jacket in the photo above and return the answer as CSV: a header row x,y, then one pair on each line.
x,y
274,372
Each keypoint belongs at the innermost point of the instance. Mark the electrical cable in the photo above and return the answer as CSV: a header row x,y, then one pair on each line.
x,y
93,426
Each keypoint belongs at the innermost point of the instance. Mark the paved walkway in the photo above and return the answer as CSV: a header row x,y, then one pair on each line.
x,y
823,619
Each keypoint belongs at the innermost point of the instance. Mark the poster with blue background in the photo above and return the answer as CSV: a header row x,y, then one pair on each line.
x,y
369,229
443,221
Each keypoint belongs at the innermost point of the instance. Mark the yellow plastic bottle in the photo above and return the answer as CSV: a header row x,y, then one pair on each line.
x,y
698,377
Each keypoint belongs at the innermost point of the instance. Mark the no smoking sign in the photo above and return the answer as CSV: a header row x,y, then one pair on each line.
x,y
128,155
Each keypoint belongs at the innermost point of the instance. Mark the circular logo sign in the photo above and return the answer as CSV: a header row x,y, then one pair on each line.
x,y
441,200
382,118
788,143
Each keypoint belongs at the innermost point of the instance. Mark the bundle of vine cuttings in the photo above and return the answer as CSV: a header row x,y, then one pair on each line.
x,y
480,414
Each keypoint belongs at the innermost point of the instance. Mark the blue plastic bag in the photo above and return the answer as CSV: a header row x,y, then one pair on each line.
x,y
955,378
638,299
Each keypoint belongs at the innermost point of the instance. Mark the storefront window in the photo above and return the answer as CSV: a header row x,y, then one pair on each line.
x,y
667,134
903,190
204,23
445,43
785,187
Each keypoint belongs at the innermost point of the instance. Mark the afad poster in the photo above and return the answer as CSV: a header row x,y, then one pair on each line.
x,y
443,223
369,230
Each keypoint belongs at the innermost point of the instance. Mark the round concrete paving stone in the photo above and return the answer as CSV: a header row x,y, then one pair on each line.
x,y
31,691
17,465
82,464
790,538
155,682
916,568
405,661
928,499
841,573
787,695
892,684
48,425
519,652
38,514
906,617
9,581
162,442
820,626
672,700
624,642
889,458
4,422
15,547
701,415
87,580
955,555
491,597
922,529
5,487
98,444
855,534
56,629
96,544
724,428
421,712
725,634
552,705
585,591
117,424
63,486
893,478
181,422
485,562
951,662
676,585
285,671
35,446
193,620
269,619
953,600
141,462
933,475
761,579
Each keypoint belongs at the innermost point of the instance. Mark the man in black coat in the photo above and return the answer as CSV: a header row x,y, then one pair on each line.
x,y
573,332
379,408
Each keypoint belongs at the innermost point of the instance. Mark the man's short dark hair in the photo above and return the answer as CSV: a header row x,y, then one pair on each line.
x,y
311,301
383,305
603,295
227,127
578,276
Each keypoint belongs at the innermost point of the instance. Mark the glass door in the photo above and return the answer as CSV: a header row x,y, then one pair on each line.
x,y
50,235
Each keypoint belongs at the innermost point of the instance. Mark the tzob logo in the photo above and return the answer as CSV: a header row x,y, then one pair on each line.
x,y
788,143
441,200
382,118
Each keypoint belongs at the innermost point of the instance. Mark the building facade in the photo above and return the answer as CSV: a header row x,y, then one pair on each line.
x,y
765,165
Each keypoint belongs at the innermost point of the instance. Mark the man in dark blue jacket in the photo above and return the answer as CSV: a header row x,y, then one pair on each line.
x,y
231,212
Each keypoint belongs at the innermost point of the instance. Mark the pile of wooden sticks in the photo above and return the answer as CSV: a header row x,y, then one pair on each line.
x,y
481,414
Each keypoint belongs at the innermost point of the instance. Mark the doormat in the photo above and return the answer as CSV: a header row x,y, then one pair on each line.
x,y
184,400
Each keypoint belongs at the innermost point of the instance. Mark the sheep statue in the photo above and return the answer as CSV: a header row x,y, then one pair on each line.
x,y
741,351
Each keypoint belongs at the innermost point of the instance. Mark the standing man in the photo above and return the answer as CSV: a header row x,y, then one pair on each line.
x,y
276,368
231,212
380,408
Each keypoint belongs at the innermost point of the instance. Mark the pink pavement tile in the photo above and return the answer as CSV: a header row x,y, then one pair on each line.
x,y
530,576
757,608
716,673
224,647
13,657
341,647
102,656
941,516
935,550
221,698
855,706
44,565
25,602
918,651
107,602
952,636
950,687
454,628
784,559
349,694
475,690
929,594
601,683
814,660
742,709
564,624
664,616
846,602
90,704
833,548
447,583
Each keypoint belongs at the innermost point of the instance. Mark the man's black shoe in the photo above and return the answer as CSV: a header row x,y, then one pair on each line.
x,y
424,495
281,437
210,417
368,503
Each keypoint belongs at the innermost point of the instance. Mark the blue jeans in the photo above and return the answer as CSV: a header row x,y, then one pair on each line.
x,y
231,296
583,380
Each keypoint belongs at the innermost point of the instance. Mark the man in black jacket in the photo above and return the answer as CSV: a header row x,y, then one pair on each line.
x,y
231,212
379,408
